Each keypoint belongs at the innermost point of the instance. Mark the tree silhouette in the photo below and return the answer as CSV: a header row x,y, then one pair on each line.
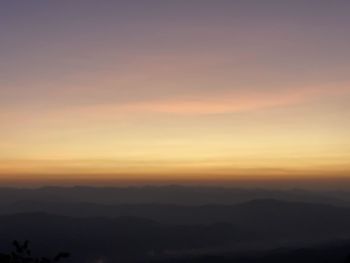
x,y
22,254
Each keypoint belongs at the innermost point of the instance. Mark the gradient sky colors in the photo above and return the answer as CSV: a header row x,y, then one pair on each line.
x,y
174,91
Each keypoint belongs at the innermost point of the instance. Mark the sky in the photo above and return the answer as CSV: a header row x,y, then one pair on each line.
x,y
187,91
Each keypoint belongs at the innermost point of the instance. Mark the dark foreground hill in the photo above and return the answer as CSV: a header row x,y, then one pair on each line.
x,y
140,240
163,232
123,238
338,252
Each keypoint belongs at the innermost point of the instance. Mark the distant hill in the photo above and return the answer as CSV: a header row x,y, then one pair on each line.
x,y
269,212
181,195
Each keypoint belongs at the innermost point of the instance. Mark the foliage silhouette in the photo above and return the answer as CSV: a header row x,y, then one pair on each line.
x,y
22,254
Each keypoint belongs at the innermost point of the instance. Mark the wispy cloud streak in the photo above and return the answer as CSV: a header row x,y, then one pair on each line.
x,y
217,104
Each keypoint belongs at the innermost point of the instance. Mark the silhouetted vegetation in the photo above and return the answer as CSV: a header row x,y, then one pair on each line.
x,y
23,254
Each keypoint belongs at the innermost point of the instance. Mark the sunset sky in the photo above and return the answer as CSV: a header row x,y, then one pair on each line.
x,y
174,91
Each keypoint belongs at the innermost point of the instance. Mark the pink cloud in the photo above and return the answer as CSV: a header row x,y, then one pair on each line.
x,y
186,105
216,104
